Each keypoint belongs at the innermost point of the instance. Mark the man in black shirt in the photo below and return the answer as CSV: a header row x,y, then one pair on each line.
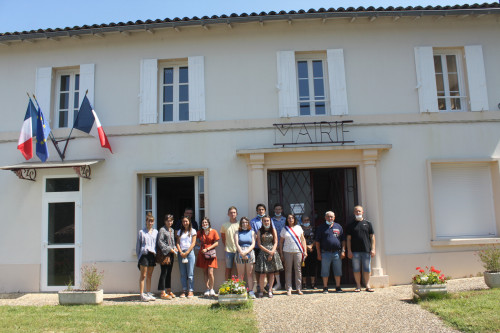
x,y
360,247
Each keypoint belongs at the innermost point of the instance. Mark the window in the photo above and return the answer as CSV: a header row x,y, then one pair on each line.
x,y
451,79
172,90
311,79
463,199
311,83
67,97
60,92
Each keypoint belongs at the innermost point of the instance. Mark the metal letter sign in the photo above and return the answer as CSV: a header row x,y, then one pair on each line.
x,y
325,132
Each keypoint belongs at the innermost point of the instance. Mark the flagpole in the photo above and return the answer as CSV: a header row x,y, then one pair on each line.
x,y
72,127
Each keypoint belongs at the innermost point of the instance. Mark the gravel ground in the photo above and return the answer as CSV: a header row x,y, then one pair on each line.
x,y
385,310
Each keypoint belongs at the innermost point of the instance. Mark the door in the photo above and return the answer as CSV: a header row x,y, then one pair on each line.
x,y
61,234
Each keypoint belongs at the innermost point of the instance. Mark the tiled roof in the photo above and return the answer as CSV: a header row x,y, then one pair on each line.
x,y
322,13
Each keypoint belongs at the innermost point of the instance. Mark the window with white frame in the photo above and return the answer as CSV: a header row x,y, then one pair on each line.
x,y
463,199
451,79
174,91
67,97
60,92
311,83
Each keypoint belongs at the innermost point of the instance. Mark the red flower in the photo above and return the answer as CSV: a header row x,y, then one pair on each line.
x,y
437,272
421,271
418,268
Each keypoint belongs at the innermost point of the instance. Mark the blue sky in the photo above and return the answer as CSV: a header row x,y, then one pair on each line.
x,y
20,15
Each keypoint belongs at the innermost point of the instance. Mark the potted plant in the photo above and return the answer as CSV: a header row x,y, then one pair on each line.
x,y
233,291
89,292
429,280
490,256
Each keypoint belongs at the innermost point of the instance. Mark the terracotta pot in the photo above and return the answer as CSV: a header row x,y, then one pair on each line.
x,y
233,299
492,279
423,290
73,297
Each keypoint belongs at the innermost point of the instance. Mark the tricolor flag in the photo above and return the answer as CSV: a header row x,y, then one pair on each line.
x,y
25,143
42,133
88,122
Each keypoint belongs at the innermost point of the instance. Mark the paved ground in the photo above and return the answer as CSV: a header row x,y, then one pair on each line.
x,y
385,310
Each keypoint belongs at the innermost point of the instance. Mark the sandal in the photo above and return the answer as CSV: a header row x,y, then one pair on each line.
x,y
370,290
171,294
357,290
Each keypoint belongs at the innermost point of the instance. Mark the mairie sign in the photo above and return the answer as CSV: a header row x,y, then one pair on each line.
x,y
324,132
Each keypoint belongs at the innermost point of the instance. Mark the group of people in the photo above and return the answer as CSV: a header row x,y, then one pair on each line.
x,y
264,246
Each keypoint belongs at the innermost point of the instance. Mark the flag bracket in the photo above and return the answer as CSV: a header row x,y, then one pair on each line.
x,y
27,174
28,171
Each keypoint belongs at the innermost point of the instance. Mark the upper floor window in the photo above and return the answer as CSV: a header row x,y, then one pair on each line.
x,y
60,92
67,97
174,92
311,83
451,79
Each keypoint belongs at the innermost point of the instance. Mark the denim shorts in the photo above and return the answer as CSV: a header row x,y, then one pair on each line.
x,y
361,257
230,259
327,258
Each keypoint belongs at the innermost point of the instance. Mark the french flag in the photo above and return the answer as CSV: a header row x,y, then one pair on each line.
x,y
88,122
25,143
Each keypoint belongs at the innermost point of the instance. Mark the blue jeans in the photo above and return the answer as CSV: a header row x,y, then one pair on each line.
x,y
187,272
361,257
327,258
230,259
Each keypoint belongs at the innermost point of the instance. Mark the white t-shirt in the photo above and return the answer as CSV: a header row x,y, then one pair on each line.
x,y
186,239
289,244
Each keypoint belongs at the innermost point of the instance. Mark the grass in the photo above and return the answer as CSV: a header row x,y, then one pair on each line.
x,y
128,318
470,311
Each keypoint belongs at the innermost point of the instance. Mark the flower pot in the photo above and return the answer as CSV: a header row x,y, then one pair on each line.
x,y
423,290
233,299
492,279
74,297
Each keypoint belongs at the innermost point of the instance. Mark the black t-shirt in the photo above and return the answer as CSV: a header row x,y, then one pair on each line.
x,y
360,232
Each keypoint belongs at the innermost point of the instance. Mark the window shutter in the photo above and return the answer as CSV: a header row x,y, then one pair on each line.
x,y
148,96
43,90
196,78
426,79
337,82
87,82
477,78
287,84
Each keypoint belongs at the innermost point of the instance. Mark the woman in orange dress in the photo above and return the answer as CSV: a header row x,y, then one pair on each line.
x,y
207,259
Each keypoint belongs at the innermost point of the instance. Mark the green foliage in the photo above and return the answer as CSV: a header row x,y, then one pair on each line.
x,y
69,285
470,311
431,276
91,278
490,256
233,286
127,318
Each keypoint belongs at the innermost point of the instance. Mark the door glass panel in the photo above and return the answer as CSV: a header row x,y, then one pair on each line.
x,y
62,185
61,266
61,226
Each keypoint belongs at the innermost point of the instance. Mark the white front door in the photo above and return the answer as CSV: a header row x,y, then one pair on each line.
x,y
61,233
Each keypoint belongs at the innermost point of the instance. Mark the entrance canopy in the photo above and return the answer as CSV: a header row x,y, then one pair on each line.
x,y
27,170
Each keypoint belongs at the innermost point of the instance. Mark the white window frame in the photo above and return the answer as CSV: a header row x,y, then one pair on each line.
x,y
494,234
459,56
54,197
309,58
73,74
175,65
335,82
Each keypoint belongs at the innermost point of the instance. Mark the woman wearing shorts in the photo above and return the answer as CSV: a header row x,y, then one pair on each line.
x,y
146,251
245,257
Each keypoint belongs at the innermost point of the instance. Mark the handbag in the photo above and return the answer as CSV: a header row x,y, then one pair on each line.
x,y
163,259
210,254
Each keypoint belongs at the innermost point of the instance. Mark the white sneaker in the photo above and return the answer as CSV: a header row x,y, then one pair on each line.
x,y
251,294
277,286
212,292
144,298
151,297
207,293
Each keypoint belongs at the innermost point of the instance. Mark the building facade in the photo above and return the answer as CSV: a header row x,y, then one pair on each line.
x,y
395,109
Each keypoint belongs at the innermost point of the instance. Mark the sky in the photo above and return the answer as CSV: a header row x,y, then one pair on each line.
x,y
25,15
